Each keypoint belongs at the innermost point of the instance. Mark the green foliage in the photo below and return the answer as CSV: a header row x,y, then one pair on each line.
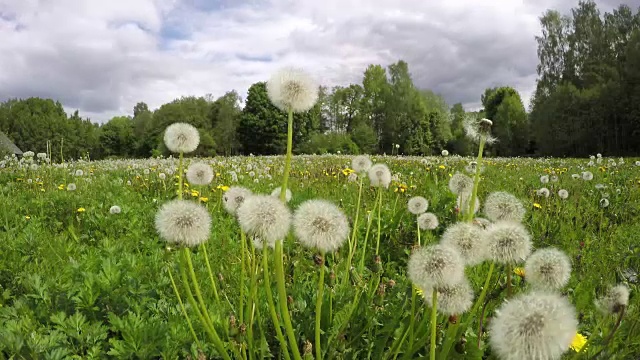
x,y
331,143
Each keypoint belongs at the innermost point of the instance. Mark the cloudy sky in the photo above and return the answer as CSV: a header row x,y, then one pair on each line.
x,y
102,57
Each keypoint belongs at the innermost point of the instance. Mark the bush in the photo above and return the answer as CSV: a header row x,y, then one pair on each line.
x,y
329,143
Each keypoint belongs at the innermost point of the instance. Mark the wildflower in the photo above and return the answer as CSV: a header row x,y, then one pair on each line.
x,y
575,176
321,225
587,176
379,175
554,178
417,205
435,265
604,202
548,269
427,221
353,177
578,342
115,209
81,210
61,187
543,192
460,183
544,179
183,222
501,205
563,194
199,174
476,129
469,240
181,138
537,206
162,176
222,187
536,325
361,163
27,217
276,193
79,172
291,88
234,197
71,187
614,300
508,242
445,153
264,216
519,271
452,299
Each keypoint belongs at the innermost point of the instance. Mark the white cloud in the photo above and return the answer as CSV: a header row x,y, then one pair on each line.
x,y
104,57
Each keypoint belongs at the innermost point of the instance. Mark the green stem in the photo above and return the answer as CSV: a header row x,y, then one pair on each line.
x,y
379,219
476,181
184,310
418,226
366,239
180,176
353,240
413,315
211,278
287,162
252,295
243,245
509,286
272,307
282,294
187,257
434,317
319,308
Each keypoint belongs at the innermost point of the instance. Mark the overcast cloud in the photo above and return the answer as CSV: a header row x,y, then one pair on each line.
x,y
102,57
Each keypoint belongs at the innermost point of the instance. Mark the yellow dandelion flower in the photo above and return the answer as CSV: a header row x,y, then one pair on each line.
x,y
442,167
418,290
578,342
537,206
27,217
222,187
61,187
347,171
81,210
195,193
42,189
204,199
519,271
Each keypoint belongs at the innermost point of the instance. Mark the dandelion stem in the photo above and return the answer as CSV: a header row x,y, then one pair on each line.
x,y
272,307
243,245
187,256
379,220
211,278
282,294
418,226
184,310
610,336
366,238
353,241
476,181
287,161
509,286
251,307
413,315
434,307
319,308
180,176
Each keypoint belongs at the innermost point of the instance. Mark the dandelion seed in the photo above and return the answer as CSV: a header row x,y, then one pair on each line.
x,y
71,187
162,176
543,192
292,88
319,224
427,221
435,265
460,184
469,240
445,153
417,205
264,216
361,163
452,299
575,176
587,176
563,194
276,193
183,222
79,172
115,209
199,174
181,137
508,242
554,179
353,177
234,197
481,222
537,325
548,269
615,299
476,129
604,202
379,175
544,179
501,205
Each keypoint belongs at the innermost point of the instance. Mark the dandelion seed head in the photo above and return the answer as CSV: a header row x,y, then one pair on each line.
x,y
361,163
183,222
587,176
501,205
427,221
379,175
548,269
614,300
462,203
544,179
444,153
452,299
417,205
115,209
291,88
475,129
199,174
71,187
276,193
508,242
234,197
460,183
469,240
563,194
536,325
543,192
181,137
319,224
79,172
435,265
264,216
604,202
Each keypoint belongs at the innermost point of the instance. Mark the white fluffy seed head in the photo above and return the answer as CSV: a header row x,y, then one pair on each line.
x,y
563,194
470,241
460,184
417,205
264,216
234,197
501,205
319,224
462,203
452,299
199,174
71,187
536,325
183,222
115,209
587,175
476,129
361,163
181,138
435,265
276,193
291,88
428,221
548,269
508,242
614,300
379,175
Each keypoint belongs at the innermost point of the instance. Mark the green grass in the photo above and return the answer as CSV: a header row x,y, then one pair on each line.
x,y
94,285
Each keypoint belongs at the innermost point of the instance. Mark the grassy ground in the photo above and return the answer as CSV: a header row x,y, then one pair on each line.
x,y
79,282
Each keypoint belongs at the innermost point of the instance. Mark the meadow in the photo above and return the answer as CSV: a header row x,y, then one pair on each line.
x,y
84,273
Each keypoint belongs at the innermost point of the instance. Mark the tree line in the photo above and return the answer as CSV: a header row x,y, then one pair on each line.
x,y
587,100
